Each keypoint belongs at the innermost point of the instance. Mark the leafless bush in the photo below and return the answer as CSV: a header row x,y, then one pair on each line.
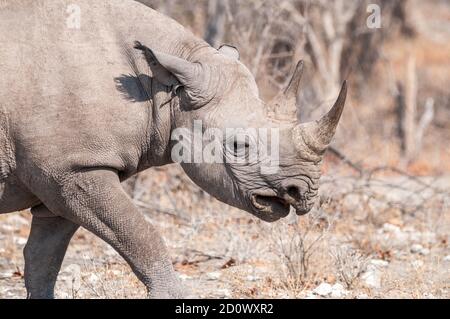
x,y
349,263
294,244
376,194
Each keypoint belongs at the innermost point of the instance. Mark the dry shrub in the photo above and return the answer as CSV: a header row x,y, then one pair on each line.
x,y
295,244
349,263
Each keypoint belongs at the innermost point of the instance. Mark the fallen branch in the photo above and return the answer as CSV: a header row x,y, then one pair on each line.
x,y
204,257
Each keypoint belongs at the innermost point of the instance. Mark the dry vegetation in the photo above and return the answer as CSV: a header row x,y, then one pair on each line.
x,y
381,227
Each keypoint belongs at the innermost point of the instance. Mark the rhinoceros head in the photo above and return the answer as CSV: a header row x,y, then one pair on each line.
x,y
218,95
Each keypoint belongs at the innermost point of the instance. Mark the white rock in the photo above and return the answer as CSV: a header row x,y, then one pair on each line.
x,y
252,278
428,295
395,234
93,279
419,249
63,295
362,296
447,258
116,272
372,277
20,241
224,292
310,295
7,227
379,262
417,263
213,275
338,291
109,251
391,228
324,289
416,248
283,296
184,277
415,236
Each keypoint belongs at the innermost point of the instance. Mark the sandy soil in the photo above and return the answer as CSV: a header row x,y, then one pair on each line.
x,y
364,244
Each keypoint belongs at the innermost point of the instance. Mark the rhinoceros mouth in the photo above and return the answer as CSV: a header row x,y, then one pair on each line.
x,y
270,204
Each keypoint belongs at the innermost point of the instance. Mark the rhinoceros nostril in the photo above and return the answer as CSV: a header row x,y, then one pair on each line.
x,y
293,192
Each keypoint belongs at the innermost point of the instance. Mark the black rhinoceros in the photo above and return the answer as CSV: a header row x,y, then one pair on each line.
x,y
90,94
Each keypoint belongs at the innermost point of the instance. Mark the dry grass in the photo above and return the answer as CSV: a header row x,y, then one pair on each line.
x,y
223,252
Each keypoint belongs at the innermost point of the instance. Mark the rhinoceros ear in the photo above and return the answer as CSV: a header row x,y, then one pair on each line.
x,y
230,51
176,72
164,67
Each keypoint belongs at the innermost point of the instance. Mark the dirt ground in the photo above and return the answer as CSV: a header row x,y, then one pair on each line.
x,y
352,245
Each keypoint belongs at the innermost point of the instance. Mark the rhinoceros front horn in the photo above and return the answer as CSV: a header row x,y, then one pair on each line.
x,y
317,135
326,126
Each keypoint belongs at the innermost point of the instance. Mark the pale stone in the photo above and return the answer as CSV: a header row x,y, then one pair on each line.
x,y
324,289
213,275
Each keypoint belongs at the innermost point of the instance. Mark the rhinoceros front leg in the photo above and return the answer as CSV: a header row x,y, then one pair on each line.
x,y
44,251
96,201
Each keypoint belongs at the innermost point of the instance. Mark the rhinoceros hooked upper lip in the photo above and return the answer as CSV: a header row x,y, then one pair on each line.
x,y
270,204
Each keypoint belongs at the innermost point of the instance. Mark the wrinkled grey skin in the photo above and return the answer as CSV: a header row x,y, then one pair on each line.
x,y
83,109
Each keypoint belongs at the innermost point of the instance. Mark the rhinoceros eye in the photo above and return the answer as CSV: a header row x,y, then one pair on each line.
x,y
240,148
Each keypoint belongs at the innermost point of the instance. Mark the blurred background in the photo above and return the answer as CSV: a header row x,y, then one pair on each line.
x,y
381,226
398,71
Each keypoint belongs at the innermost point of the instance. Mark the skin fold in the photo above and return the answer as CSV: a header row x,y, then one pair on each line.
x,y
83,109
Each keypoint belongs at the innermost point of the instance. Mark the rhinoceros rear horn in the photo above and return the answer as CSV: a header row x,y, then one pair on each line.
x,y
318,135
284,105
293,88
173,71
